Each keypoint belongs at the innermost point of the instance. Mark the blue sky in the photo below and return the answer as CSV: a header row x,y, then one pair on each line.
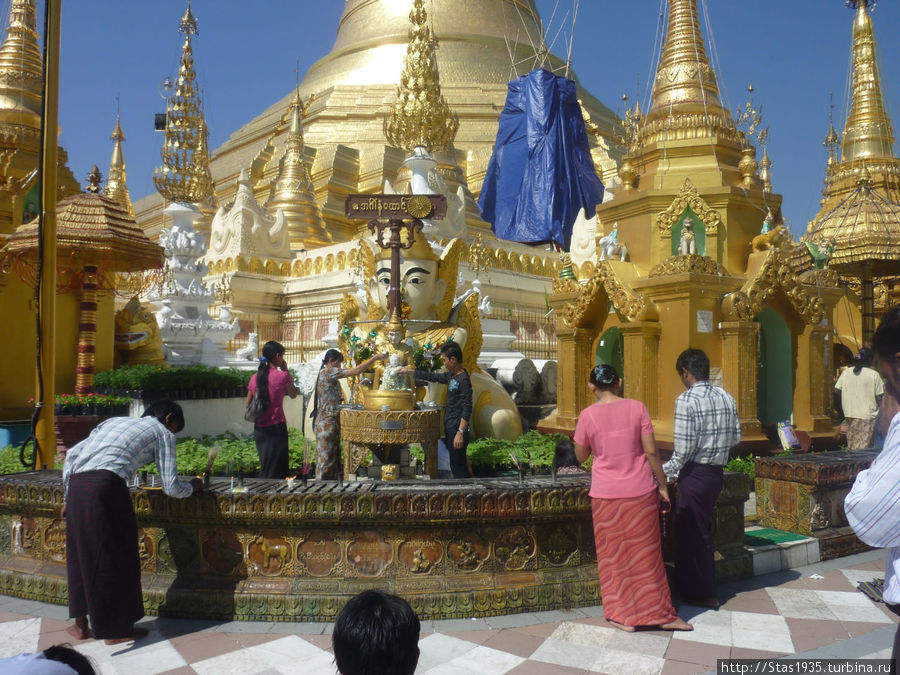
x,y
794,52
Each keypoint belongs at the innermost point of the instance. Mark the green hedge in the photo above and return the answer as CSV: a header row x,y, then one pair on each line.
x,y
153,381
238,454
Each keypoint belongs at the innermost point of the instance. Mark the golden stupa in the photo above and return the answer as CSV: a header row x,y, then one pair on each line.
x,y
355,86
859,219
708,264
20,121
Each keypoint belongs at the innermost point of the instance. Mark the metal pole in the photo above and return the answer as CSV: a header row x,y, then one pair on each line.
x,y
45,433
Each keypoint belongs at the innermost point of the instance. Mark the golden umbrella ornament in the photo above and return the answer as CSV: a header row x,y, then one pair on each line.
x,y
96,236
864,233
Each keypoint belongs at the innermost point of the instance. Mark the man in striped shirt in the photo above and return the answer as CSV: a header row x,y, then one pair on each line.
x,y
104,570
873,504
706,428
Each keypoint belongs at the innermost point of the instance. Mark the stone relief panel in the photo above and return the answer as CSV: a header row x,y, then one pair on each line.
x,y
222,552
269,554
55,540
515,549
319,554
419,553
369,554
467,551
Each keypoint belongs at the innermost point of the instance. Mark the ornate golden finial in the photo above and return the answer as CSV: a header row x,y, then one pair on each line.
x,y
20,61
749,121
765,171
867,132
685,82
293,191
116,187
421,116
94,180
184,176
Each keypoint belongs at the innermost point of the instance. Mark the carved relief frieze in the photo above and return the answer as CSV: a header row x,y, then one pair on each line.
x,y
688,264
631,304
688,197
775,273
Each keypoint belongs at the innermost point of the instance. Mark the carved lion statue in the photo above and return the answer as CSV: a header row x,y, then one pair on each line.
x,y
137,338
774,238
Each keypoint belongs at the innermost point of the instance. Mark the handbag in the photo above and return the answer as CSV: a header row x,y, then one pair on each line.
x,y
255,408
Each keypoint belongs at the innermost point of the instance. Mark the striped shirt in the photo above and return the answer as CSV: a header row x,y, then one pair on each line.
x,y
873,508
706,428
123,445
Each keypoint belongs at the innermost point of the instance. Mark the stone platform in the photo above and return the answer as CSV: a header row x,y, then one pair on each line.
x,y
805,494
453,549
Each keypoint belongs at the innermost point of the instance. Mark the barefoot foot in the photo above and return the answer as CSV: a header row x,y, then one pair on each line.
x,y
80,630
621,626
136,634
677,624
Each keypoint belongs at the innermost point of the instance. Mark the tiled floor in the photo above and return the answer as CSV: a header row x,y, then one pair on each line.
x,y
814,611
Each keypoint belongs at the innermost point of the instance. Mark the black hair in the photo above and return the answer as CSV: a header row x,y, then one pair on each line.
x,y
75,660
695,361
330,355
164,407
452,350
269,351
565,455
376,634
604,377
886,341
862,360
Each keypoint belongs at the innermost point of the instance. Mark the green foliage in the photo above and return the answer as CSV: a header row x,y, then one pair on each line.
x,y
9,460
743,465
535,448
154,381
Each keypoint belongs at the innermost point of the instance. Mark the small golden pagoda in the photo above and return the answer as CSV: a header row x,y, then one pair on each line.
x,y
20,122
708,264
116,184
293,190
858,225
96,237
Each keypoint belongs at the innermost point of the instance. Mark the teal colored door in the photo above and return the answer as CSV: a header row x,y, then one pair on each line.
x,y
774,372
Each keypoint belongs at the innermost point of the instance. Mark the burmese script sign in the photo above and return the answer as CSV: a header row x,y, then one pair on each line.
x,y
395,207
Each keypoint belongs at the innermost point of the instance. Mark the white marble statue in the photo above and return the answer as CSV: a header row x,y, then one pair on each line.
x,y
688,243
610,247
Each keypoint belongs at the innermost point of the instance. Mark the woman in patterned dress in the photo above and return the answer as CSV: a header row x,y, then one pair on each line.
x,y
628,488
326,414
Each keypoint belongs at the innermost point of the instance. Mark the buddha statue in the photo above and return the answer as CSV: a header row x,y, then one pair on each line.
x,y
428,287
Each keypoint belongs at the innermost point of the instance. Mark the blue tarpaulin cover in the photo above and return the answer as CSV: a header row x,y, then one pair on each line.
x,y
541,173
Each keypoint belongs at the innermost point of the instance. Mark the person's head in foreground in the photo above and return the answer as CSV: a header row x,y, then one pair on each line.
x,y
55,660
376,634
886,345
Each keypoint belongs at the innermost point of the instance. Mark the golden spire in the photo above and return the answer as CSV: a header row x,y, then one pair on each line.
x,y
20,62
685,82
421,116
765,171
184,176
293,190
867,132
116,187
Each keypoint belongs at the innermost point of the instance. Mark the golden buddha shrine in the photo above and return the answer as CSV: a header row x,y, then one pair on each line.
x,y
709,263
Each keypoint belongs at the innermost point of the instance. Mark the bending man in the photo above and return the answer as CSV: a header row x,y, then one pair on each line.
x,y
103,566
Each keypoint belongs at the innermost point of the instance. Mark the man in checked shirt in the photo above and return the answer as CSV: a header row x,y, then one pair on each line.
x,y
103,566
706,428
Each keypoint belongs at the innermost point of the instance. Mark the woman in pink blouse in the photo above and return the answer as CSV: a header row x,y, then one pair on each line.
x,y
274,382
628,487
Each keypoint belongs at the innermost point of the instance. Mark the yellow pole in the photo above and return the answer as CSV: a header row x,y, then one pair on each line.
x,y
45,433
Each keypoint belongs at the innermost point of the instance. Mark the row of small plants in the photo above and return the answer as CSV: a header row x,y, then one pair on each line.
x,y
91,404
747,464
149,382
237,455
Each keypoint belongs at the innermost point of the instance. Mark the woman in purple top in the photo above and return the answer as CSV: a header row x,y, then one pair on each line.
x,y
628,488
273,382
